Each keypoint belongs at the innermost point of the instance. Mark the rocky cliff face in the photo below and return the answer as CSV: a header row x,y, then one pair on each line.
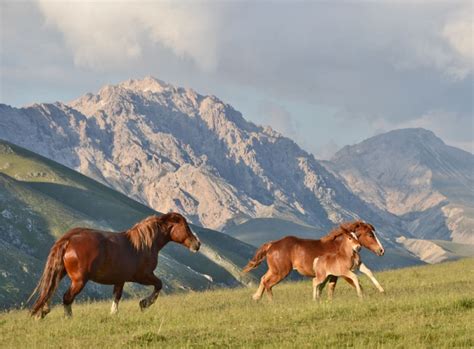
x,y
174,149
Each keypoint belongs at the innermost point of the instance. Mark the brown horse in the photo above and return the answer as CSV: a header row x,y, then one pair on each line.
x,y
291,253
342,263
111,259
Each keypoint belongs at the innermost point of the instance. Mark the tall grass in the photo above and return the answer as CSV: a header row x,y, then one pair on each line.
x,y
424,307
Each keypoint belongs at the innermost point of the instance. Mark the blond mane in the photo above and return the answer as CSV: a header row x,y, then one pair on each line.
x,y
143,234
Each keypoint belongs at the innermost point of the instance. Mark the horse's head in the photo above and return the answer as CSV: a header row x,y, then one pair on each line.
x,y
349,242
365,233
181,233
354,242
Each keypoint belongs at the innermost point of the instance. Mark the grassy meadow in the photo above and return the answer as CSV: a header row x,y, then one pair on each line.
x,y
423,307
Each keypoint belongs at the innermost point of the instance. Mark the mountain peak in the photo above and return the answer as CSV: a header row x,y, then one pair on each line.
x,y
406,140
148,83
410,135
418,133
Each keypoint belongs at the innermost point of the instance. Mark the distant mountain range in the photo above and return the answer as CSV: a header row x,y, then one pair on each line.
x,y
413,174
40,200
171,148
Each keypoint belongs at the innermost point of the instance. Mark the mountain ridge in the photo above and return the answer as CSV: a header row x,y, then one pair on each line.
x,y
412,173
173,149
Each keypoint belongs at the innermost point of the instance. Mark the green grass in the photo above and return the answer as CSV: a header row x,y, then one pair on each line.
x,y
424,307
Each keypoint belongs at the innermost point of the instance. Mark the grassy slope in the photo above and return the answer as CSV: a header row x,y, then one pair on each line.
x,y
424,307
40,200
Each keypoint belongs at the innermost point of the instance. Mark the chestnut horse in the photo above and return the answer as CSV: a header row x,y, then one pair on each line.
x,y
342,263
111,259
291,253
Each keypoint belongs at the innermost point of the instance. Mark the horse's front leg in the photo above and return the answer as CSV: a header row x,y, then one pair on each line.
x,y
150,279
355,281
363,269
318,285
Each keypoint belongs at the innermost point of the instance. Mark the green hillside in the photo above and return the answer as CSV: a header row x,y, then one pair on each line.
x,y
424,307
40,200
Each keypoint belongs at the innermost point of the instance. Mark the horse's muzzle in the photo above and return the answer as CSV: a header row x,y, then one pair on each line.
x,y
195,246
380,252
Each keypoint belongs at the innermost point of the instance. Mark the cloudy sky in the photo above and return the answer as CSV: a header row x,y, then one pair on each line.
x,y
324,73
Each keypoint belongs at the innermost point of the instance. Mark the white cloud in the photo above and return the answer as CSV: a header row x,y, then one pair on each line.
x,y
393,61
458,31
106,34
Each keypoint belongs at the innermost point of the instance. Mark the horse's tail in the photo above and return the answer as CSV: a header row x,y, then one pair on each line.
x,y
52,275
259,257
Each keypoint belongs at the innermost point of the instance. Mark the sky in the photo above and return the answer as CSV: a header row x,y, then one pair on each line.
x,y
325,73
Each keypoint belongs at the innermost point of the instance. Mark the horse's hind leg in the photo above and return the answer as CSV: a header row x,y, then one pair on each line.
x,y
75,288
271,281
150,279
117,295
258,294
47,305
332,285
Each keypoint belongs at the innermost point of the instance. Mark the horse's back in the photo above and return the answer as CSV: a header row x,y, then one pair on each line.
x,y
98,255
296,253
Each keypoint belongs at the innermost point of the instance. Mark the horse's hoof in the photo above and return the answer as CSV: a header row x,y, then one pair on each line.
x,y
255,298
143,304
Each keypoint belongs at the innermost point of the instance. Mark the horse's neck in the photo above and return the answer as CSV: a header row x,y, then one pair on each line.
x,y
161,240
345,249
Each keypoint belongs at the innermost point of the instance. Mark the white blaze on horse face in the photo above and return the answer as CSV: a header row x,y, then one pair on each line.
x,y
195,235
355,246
378,242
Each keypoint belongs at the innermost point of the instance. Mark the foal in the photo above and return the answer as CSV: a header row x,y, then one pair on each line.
x,y
341,263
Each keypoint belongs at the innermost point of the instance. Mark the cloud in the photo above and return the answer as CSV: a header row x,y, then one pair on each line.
x,y
106,34
386,62
278,117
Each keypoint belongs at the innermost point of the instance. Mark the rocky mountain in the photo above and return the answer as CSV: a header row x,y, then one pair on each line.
x,y
416,176
40,200
171,148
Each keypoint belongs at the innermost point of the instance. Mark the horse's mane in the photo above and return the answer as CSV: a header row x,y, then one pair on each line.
x,y
333,234
345,228
142,234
